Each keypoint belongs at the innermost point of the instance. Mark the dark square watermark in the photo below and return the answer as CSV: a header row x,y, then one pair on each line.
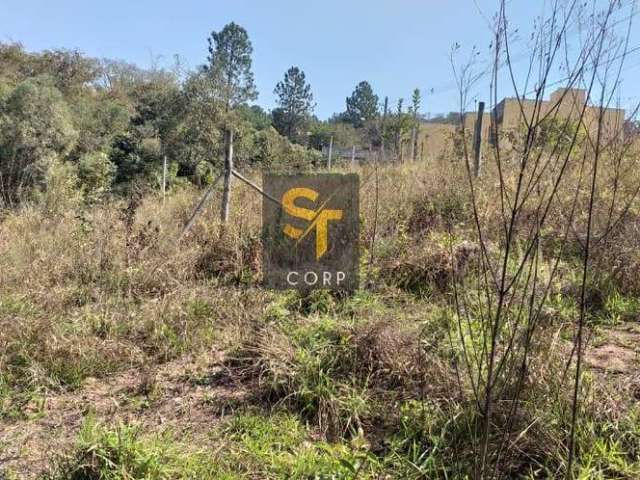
x,y
310,229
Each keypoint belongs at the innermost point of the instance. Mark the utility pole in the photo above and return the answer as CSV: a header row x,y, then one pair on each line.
x,y
330,152
477,141
353,156
228,169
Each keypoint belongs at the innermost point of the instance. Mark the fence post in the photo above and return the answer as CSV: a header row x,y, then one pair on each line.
x,y
353,156
414,142
164,177
477,140
330,152
228,168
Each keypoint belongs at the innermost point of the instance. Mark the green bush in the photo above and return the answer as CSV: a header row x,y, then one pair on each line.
x,y
96,174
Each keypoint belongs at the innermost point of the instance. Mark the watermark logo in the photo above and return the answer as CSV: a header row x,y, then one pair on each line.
x,y
310,231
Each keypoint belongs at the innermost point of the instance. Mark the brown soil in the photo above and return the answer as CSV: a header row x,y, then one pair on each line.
x,y
185,396
614,362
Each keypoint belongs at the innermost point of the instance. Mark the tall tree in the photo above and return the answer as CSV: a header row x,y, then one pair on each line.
x,y
362,105
230,65
296,104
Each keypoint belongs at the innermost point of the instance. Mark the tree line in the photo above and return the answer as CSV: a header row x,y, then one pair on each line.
x,y
94,127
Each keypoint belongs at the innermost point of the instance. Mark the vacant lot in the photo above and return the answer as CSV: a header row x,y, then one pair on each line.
x,y
127,353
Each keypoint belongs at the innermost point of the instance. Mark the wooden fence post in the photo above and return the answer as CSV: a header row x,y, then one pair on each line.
x,y
414,143
164,178
353,156
477,141
228,168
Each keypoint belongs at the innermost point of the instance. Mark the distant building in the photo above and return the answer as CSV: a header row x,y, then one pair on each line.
x,y
437,139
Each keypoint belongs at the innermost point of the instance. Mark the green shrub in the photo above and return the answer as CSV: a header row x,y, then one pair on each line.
x,y
96,174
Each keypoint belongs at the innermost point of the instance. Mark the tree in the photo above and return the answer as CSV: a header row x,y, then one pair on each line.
x,y
256,116
415,106
36,131
230,69
416,99
343,133
362,105
230,65
70,69
296,104
398,129
198,135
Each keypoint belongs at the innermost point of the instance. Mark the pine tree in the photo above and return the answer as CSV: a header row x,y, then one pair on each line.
x,y
230,65
362,105
295,102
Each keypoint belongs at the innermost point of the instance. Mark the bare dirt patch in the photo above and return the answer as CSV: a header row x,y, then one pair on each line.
x,y
614,361
171,397
617,352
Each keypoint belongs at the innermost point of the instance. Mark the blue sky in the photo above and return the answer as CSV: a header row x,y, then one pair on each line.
x,y
395,45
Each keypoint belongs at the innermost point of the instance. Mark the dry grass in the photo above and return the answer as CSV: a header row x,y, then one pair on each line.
x,y
87,294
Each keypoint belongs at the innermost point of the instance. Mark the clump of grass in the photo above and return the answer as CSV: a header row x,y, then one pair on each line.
x,y
339,370
431,441
609,449
278,445
429,267
308,367
123,453
619,308
437,210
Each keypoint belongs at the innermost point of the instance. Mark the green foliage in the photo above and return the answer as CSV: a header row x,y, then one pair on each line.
x,y
122,453
398,127
275,152
609,449
198,134
56,186
416,99
277,446
295,102
362,105
230,65
70,69
135,157
425,445
35,127
344,135
96,174
114,122
256,116
618,308
99,120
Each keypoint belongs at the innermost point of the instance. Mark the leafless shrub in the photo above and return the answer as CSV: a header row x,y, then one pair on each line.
x,y
564,159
